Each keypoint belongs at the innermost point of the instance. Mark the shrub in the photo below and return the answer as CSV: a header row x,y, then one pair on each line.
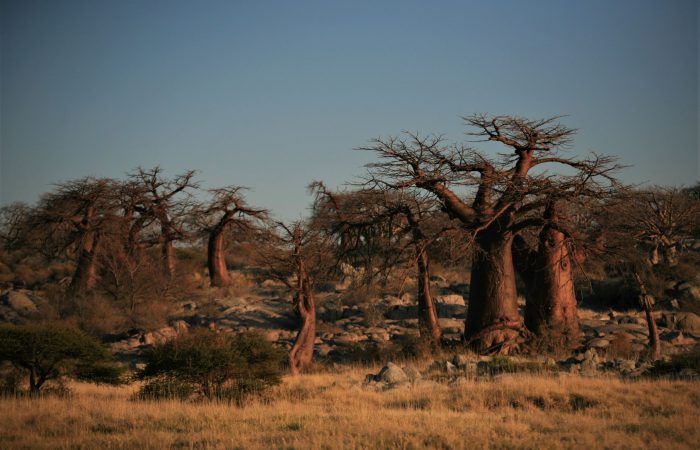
x,y
215,366
47,352
165,389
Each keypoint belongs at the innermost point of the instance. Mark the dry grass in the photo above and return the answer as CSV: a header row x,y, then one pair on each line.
x,y
330,411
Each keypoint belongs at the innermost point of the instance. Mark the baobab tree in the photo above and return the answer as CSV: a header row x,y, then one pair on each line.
x,y
661,218
502,196
80,211
227,210
297,255
547,272
406,221
168,202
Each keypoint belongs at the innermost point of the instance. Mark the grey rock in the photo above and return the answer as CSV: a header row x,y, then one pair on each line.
x,y
412,373
19,302
452,299
442,366
590,361
688,321
625,364
392,374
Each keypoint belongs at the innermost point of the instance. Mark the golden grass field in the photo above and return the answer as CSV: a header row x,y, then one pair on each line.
x,y
334,411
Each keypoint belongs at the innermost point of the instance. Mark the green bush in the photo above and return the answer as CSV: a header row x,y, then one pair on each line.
x,y
48,352
215,366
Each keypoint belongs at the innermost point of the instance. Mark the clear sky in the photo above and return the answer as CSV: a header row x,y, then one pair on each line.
x,y
273,95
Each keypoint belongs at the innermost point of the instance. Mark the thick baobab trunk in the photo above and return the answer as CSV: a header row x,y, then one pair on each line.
x,y
85,275
493,323
428,324
218,272
550,307
168,258
302,351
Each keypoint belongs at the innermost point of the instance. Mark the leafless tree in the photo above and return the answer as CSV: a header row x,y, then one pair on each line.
x,y
227,209
660,218
406,221
168,202
493,198
79,211
297,255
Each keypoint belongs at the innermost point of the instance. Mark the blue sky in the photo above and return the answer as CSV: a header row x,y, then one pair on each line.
x,y
273,95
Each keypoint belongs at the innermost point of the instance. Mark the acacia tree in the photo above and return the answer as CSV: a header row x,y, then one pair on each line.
x,y
227,209
168,202
405,220
504,195
297,255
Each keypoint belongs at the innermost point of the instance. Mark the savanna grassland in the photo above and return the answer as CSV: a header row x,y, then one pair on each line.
x,y
334,410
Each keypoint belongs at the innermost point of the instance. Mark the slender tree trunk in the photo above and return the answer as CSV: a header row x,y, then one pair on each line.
x,y
647,303
654,345
302,351
85,275
493,323
168,258
218,272
550,307
428,324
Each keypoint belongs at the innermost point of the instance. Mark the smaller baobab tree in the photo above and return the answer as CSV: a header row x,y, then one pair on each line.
x,y
661,219
409,224
169,203
297,255
227,210
79,213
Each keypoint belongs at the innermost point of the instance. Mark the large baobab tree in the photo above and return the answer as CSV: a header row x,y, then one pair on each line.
x,y
227,210
548,275
168,202
494,198
406,221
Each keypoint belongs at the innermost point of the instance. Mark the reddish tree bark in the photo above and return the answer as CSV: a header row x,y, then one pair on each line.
x,y
493,322
647,304
167,202
551,307
168,257
85,275
507,200
227,209
428,324
216,261
301,353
